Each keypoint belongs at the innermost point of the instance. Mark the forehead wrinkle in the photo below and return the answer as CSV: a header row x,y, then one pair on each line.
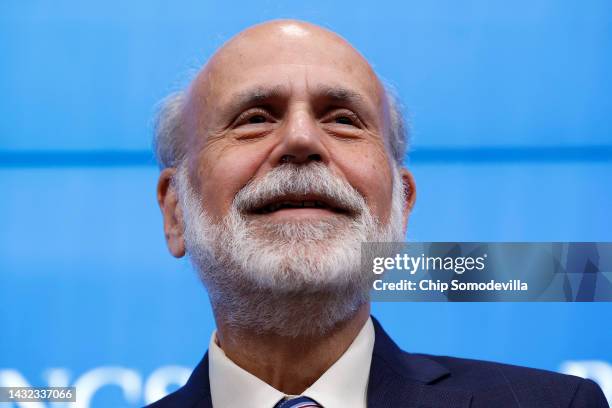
x,y
257,86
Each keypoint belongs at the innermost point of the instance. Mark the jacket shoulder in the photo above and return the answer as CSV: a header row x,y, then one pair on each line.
x,y
527,387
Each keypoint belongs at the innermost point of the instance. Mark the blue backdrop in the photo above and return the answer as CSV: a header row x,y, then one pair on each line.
x,y
512,141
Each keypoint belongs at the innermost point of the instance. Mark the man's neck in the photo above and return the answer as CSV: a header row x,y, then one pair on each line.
x,y
290,365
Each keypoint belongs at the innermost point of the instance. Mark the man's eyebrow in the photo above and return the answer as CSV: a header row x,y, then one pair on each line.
x,y
255,96
340,94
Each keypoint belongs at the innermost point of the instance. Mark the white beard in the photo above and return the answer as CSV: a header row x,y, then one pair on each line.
x,y
292,278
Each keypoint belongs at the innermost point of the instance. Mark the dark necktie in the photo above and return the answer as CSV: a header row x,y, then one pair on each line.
x,y
299,402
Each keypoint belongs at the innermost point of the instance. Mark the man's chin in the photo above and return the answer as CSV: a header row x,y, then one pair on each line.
x,y
302,310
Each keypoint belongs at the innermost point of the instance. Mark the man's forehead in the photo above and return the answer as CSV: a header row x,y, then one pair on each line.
x,y
286,53
285,81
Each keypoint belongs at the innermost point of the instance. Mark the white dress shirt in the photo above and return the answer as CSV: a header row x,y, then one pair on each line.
x,y
344,384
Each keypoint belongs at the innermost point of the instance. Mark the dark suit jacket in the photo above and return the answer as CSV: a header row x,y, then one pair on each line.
x,y
400,379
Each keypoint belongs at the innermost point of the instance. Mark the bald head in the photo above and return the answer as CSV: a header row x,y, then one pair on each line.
x,y
291,42
285,42
276,56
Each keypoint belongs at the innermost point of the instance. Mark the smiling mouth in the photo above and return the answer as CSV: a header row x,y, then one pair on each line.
x,y
299,205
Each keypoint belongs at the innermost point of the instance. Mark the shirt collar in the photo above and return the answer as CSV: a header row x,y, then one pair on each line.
x,y
343,384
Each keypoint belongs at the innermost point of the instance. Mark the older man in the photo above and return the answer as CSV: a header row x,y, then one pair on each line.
x,y
282,156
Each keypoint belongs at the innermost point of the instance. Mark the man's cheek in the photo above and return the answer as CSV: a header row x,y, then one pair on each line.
x,y
221,184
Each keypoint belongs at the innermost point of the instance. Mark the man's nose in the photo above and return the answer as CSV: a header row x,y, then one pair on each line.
x,y
301,141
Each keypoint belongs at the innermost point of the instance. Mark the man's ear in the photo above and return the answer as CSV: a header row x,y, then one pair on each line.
x,y
409,193
167,198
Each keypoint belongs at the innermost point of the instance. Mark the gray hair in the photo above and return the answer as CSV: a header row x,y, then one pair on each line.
x,y
169,137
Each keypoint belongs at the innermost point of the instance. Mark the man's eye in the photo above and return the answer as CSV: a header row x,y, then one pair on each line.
x,y
257,119
344,120
253,117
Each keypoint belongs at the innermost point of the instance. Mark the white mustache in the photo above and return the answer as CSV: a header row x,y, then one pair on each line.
x,y
314,179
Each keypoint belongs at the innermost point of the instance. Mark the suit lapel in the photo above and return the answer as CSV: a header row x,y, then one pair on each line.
x,y
399,379
196,393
